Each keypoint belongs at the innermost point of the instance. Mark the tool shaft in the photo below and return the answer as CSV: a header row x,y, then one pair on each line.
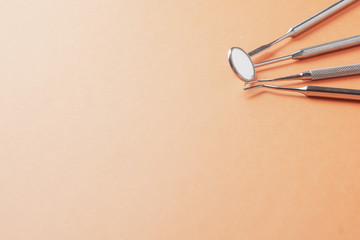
x,y
317,50
319,17
273,61
327,92
327,47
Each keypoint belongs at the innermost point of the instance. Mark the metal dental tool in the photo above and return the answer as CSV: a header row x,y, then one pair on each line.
x,y
308,23
244,68
318,74
315,91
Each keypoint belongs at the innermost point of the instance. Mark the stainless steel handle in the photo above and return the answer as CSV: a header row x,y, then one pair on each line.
x,y
327,47
340,93
334,72
319,17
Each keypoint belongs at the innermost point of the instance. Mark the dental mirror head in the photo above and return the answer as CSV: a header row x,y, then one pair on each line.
x,y
241,64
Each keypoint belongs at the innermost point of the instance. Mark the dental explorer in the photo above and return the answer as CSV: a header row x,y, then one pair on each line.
x,y
315,91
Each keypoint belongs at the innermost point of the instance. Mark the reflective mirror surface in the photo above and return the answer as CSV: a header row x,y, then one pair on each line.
x,y
241,64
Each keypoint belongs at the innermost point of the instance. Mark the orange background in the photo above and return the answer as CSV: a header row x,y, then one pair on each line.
x,y
123,120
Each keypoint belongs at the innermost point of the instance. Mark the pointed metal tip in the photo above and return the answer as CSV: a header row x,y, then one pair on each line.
x,y
257,86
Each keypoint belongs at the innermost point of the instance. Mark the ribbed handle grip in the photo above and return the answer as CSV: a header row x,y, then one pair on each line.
x,y
334,72
319,17
327,47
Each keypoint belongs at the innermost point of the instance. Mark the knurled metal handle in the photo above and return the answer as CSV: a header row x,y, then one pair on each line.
x,y
334,72
327,47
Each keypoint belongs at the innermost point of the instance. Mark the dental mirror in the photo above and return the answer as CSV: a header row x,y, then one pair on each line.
x,y
241,64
